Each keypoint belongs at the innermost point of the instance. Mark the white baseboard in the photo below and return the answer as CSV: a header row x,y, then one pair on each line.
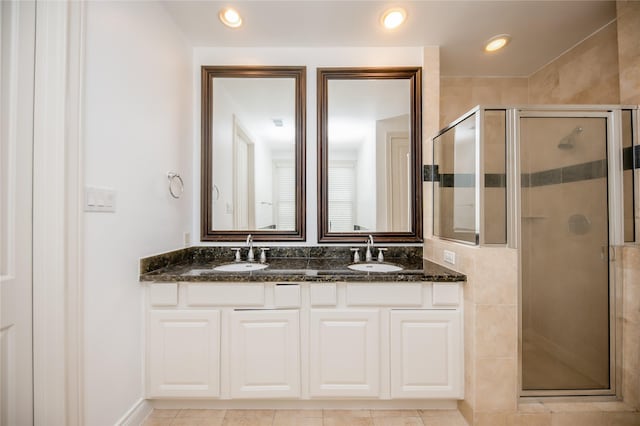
x,y
136,414
341,404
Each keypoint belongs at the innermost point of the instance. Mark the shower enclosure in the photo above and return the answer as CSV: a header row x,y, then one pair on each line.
x,y
559,181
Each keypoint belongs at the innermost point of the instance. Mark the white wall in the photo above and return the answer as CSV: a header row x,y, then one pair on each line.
x,y
264,187
222,157
137,127
312,58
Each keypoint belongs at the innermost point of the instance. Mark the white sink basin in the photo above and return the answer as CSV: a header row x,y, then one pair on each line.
x,y
240,267
375,267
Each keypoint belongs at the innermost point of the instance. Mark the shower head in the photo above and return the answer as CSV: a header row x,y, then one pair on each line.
x,y
569,141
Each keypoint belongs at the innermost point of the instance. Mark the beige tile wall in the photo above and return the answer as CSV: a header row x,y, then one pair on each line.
x,y
587,74
629,51
631,325
430,125
459,94
605,68
490,321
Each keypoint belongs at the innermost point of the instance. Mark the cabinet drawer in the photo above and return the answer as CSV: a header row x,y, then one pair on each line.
x,y
446,295
287,296
225,295
165,294
323,294
384,294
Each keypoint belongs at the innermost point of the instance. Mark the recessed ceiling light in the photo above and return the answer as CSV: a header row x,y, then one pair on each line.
x,y
497,42
230,17
393,18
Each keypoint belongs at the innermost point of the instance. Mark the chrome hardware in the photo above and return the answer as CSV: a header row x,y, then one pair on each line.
x,y
263,254
250,256
380,254
367,255
237,255
356,255
174,178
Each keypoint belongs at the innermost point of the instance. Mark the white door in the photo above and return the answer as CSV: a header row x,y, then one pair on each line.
x,y
183,353
345,353
265,354
399,182
17,35
426,354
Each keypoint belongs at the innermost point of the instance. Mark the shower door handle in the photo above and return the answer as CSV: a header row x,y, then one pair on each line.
x,y
604,250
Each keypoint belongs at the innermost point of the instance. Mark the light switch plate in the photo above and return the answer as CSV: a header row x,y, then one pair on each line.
x,y
450,257
99,199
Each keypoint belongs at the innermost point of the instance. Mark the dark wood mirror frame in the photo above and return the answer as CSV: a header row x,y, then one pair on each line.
x,y
208,74
414,75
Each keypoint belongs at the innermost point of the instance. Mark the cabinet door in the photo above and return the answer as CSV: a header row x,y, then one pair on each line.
x,y
345,353
265,354
183,353
426,354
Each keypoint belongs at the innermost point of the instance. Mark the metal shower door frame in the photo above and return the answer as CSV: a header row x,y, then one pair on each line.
x,y
612,114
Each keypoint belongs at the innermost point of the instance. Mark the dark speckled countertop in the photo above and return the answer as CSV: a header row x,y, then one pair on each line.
x,y
290,264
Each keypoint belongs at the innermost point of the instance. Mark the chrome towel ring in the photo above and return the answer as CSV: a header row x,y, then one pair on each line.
x,y
176,185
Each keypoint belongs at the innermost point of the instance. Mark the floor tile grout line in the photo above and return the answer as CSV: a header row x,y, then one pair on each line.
x,y
422,421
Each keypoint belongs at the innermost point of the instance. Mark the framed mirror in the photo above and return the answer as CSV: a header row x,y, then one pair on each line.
x,y
253,150
370,154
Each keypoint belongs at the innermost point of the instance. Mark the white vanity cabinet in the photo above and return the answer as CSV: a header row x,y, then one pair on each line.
x,y
307,341
426,354
265,354
184,353
344,348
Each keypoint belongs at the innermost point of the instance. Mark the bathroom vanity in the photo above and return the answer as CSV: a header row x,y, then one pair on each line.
x,y
306,327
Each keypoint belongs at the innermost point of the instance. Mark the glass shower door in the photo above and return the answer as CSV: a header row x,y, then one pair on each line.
x,y
564,240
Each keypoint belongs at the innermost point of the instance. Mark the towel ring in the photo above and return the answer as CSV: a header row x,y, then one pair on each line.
x,y
174,178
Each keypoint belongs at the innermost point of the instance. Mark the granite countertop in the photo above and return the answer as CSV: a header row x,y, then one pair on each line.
x,y
291,264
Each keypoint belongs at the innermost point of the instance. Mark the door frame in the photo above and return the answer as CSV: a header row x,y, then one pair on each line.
x,y
57,214
241,135
17,34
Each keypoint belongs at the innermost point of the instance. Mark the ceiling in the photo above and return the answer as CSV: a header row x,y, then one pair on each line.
x,y
256,103
541,30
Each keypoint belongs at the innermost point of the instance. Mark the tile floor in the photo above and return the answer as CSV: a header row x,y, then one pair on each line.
x,y
545,371
305,418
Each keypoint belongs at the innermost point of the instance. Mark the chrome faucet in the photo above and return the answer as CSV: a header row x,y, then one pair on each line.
x,y
367,256
250,257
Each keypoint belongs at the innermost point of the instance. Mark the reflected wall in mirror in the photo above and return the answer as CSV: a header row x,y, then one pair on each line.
x,y
370,154
455,215
253,145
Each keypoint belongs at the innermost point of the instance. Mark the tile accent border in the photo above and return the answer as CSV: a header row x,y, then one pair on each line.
x,y
573,173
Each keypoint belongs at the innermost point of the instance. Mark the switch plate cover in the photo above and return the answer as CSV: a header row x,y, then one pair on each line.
x,y
99,199
450,257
